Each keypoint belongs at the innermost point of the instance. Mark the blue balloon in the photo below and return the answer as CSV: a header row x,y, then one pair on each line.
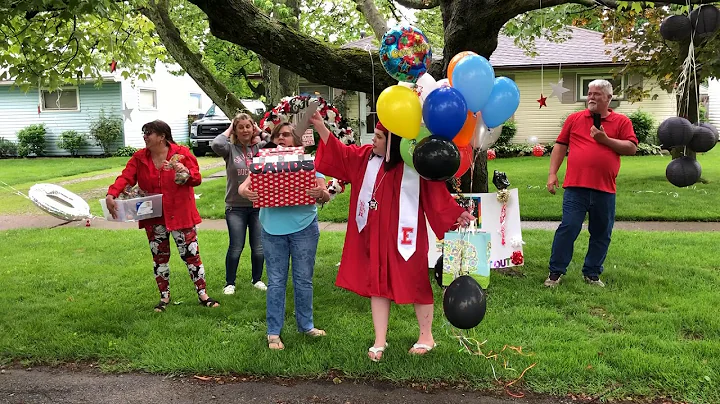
x,y
502,104
473,76
444,112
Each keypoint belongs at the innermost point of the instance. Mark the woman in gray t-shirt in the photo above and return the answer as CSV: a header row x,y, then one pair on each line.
x,y
235,146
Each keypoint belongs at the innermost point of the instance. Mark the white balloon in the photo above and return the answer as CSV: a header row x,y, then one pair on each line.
x,y
425,85
406,84
483,137
533,139
444,83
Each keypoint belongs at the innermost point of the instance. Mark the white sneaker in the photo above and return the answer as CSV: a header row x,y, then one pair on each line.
x,y
260,285
229,290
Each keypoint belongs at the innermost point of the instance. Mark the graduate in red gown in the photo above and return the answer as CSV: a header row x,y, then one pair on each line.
x,y
386,244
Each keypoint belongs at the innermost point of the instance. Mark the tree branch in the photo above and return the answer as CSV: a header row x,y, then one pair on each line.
x,y
157,12
419,4
373,17
240,22
523,6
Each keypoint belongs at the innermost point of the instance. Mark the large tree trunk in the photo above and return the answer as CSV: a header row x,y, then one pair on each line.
x,y
157,12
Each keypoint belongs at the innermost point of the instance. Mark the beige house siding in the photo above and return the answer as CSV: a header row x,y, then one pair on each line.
x,y
545,123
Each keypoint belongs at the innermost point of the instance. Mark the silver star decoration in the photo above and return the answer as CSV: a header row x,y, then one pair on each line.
x,y
126,113
558,90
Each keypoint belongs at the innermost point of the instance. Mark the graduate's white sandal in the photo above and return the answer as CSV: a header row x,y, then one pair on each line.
x,y
375,351
426,347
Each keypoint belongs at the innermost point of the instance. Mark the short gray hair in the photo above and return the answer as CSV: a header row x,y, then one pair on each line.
x,y
603,84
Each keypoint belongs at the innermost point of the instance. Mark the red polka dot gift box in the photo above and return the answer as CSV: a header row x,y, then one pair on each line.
x,y
281,176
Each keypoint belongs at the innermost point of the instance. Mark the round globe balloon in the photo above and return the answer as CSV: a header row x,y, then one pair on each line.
x,y
405,53
464,303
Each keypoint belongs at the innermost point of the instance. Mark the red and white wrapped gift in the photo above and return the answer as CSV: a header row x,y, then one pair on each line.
x,y
281,176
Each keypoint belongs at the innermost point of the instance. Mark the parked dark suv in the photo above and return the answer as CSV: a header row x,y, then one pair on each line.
x,y
213,123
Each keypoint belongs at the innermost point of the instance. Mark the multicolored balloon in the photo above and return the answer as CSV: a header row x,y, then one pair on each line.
x,y
405,53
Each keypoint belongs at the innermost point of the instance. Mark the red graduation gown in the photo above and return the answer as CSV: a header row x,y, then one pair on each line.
x,y
371,264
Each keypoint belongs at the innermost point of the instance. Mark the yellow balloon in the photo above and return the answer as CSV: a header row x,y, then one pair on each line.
x,y
399,110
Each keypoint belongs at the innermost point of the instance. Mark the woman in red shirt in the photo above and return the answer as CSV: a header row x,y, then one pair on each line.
x,y
151,170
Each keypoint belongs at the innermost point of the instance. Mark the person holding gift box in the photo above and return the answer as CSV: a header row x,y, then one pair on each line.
x,y
236,147
386,244
289,232
164,167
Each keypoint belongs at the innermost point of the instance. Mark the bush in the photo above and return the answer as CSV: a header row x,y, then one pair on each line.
x,y
8,148
72,141
643,125
508,133
107,131
31,140
126,151
646,149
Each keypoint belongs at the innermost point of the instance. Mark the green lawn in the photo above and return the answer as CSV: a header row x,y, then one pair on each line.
x,y
87,177
87,295
643,192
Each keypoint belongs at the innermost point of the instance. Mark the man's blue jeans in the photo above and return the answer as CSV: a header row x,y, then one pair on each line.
x,y
302,247
600,206
239,220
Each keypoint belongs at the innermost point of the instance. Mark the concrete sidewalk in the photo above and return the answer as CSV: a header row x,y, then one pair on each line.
x,y
47,221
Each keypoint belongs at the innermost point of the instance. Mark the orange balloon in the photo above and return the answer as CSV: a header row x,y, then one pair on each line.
x,y
455,60
465,135
466,158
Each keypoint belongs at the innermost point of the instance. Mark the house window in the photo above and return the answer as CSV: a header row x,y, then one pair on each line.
x,y
148,99
617,83
311,89
65,99
195,102
371,118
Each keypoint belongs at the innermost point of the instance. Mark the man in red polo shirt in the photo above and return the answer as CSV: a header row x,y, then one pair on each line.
x,y
593,163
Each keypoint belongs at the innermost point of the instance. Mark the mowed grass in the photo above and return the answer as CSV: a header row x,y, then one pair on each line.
x,y
87,295
87,177
643,192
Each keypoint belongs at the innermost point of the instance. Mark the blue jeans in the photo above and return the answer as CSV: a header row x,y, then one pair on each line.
x,y
600,206
301,246
239,220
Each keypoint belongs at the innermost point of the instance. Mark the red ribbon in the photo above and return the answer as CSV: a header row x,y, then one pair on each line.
x,y
502,224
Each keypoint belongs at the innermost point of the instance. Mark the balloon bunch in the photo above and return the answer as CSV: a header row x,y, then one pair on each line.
x,y
701,24
441,122
679,132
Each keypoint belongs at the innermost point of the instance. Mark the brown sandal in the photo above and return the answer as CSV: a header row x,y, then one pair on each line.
x,y
315,332
275,343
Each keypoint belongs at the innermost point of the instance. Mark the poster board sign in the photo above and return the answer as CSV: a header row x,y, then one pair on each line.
x,y
487,209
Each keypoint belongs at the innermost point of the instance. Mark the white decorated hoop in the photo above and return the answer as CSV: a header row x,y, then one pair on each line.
x,y
59,202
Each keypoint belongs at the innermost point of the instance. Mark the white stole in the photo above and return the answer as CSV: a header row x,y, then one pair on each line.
x,y
409,205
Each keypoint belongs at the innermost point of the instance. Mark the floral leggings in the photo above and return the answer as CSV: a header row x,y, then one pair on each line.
x,y
187,245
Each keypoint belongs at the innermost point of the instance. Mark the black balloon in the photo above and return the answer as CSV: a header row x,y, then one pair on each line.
x,y
675,131
703,139
713,129
464,303
676,28
683,171
438,271
436,159
500,180
705,20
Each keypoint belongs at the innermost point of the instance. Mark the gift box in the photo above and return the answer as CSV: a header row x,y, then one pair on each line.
x,y
281,176
466,253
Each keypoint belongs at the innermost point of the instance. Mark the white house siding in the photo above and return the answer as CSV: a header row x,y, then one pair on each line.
x,y
173,104
714,102
19,110
545,123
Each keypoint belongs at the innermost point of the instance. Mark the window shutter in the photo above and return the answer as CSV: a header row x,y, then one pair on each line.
x,y
569,81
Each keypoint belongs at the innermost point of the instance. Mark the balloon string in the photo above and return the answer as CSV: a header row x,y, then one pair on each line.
x,y
372,67
12,190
